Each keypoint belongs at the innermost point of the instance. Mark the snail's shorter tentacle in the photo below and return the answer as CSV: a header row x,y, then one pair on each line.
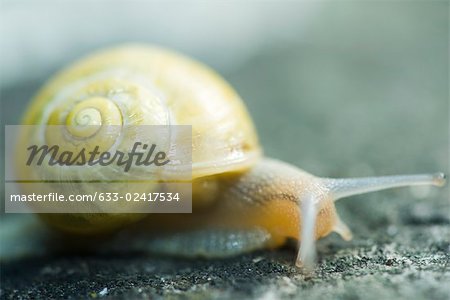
x,y
342,229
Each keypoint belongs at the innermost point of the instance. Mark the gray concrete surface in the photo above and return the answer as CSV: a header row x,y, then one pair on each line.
x,y
408,260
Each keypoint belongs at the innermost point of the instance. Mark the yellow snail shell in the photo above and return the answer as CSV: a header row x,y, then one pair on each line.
x,y
143,85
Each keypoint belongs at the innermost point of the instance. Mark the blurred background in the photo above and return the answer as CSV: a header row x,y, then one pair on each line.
x,y
339,88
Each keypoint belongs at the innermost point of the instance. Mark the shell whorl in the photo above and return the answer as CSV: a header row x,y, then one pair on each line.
x,y
84,119
91,111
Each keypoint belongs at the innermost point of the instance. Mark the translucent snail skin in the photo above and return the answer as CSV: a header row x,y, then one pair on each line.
x,y
242,201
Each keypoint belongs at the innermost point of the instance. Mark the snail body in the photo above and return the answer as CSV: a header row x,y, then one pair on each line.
x,y
242,201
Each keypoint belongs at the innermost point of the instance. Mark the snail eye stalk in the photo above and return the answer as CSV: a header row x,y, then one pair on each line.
x,y
306,257
346,187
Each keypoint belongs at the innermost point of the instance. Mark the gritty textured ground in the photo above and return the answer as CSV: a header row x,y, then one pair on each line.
x,y
362,269
362,90
407,261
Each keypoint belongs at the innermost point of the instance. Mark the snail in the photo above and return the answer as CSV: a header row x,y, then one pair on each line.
x,y
242,201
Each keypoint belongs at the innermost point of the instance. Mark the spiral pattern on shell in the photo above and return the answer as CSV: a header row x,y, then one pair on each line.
x,y
93,111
